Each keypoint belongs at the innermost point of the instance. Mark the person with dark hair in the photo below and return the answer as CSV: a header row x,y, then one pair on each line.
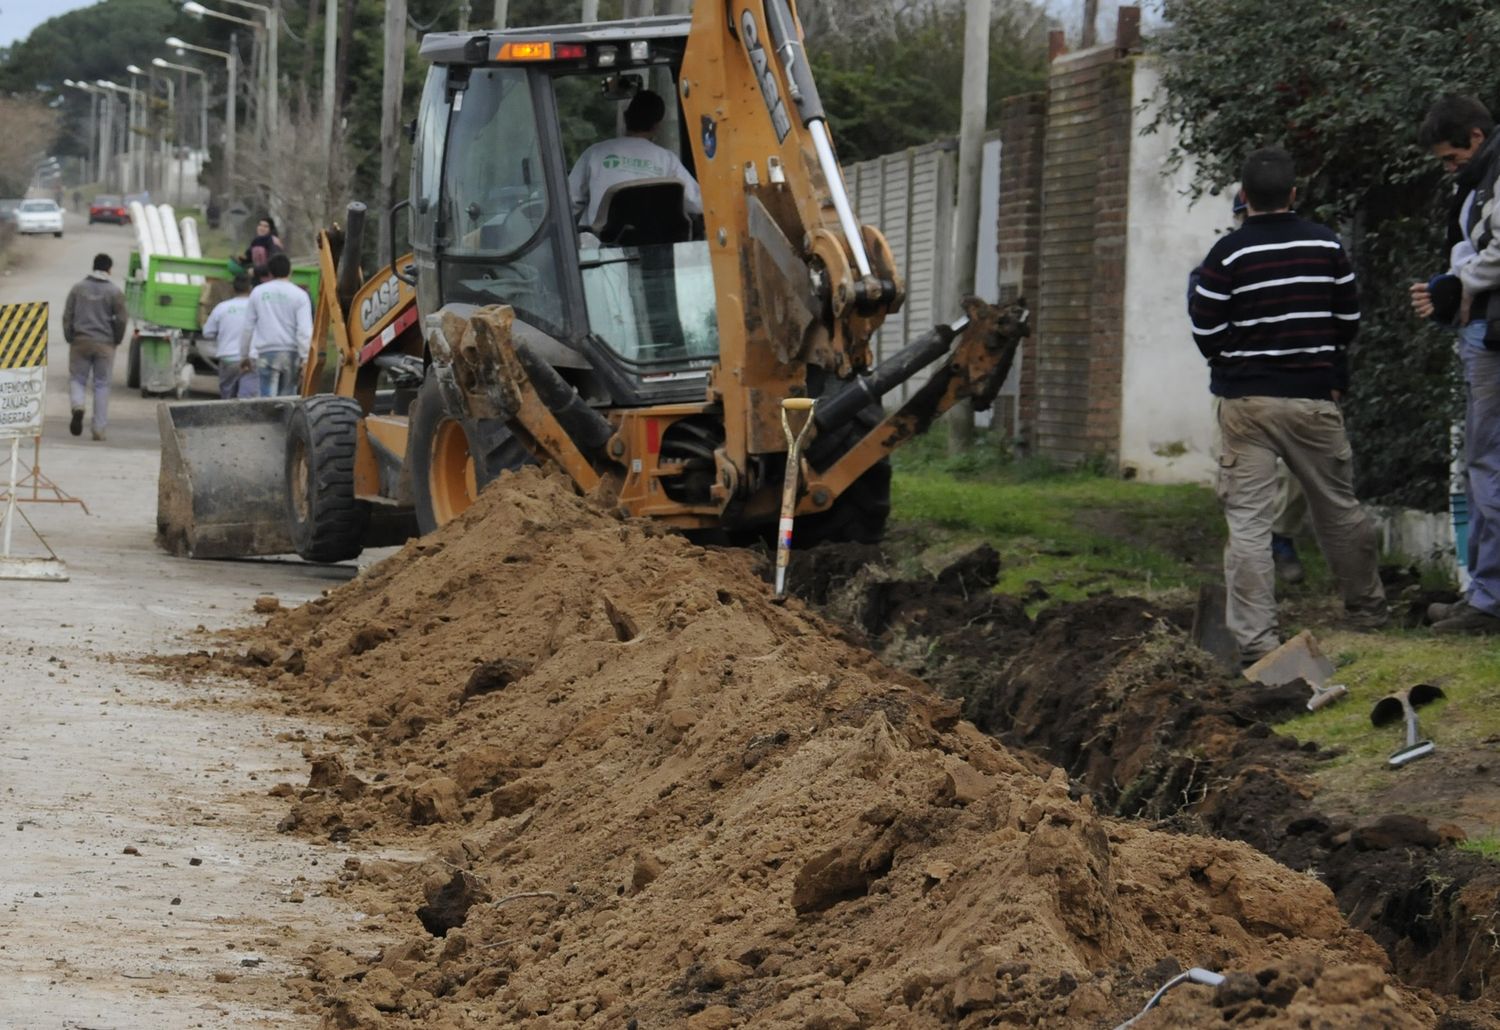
x,y
226,326
257,256
1460,133
94,321
1274,311
278,331
634,155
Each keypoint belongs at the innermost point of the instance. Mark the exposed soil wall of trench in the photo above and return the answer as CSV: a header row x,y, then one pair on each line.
x,y
641,795
1111,691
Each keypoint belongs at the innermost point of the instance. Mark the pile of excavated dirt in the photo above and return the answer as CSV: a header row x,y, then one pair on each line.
x,y
1111,691
652,798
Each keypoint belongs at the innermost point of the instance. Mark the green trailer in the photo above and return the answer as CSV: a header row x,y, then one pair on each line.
x,y
169,306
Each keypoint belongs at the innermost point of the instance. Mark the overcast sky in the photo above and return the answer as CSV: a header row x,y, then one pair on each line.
x,y
19,17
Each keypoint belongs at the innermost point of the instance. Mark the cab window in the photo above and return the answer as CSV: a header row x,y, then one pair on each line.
x,y
496,201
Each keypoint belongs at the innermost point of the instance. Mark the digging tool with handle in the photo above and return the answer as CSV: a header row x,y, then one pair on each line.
x,y
1403,705
789,487
1300,658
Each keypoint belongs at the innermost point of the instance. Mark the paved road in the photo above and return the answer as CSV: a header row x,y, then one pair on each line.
x,y
95,757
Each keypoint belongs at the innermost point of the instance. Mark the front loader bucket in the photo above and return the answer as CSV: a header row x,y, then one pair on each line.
x,y
222,488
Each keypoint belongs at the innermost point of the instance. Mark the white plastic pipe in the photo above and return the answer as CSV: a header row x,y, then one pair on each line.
x,y
169,230
142,235
159,241
190,245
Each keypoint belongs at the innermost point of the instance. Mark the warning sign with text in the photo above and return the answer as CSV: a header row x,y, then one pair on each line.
x,y
23,368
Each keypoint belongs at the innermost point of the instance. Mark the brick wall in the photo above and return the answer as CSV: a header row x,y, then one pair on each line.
x,y
1023,125
1070,404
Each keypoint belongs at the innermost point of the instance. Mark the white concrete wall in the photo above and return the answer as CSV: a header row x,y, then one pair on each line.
x,y
1166,414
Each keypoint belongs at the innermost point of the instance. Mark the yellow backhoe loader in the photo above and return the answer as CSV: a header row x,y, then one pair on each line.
x,y
646,350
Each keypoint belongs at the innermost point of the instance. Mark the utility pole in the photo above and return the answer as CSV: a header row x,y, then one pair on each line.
x,y
390,116
970,161
258,85
231,115
94,165
464,10
179,135
107,142
273,86
1090,16
590,11
330,53
341,65
502,14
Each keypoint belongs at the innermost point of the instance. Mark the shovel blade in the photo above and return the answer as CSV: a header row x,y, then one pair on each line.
x,y
1299,658
1211,632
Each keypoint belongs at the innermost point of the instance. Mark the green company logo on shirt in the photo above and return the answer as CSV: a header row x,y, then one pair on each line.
x,y
638,164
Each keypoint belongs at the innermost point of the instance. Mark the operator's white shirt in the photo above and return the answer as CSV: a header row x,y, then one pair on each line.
x,y
624,160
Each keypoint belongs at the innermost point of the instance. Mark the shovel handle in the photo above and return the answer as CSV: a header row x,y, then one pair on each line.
x,y
789,485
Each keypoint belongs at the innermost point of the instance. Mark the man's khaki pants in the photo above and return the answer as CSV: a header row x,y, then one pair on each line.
x,y
1309,437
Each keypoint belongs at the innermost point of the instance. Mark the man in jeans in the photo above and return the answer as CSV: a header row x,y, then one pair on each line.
x,y
226,326
94,321
1460,133
1274,311
278,330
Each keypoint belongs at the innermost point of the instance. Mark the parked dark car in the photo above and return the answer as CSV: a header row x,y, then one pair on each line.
x,y
107,208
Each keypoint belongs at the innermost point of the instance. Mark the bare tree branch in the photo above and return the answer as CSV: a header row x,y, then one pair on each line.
x,y
28,128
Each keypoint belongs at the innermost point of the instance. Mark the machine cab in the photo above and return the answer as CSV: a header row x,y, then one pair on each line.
x,y
529,189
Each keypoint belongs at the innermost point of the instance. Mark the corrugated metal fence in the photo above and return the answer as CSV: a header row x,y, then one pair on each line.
x,y
911,197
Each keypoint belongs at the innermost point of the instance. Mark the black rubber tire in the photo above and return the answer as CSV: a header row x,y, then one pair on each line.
x,y
133,365
494,447
327,523
861,512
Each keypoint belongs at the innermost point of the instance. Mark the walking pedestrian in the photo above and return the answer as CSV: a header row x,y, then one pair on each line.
x,y
226,326
1274,311
94,320
1460,133
278,330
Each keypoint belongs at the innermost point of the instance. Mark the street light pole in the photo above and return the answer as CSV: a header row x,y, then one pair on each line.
x,y
128,173
268,116
94,137
231,59
138,125
330,53
184,70
93,171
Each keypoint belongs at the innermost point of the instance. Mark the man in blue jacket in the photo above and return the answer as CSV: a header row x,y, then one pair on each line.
x,y
1274,311
1460,133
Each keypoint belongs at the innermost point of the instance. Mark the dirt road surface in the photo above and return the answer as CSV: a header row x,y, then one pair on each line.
x,y
145,884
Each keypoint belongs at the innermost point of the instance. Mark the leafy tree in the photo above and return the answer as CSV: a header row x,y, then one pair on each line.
x,y
87,44
1343,87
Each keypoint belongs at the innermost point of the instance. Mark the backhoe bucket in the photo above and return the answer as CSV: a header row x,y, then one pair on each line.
x,y
222,488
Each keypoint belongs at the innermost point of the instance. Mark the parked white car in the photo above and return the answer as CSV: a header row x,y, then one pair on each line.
x,y
39,216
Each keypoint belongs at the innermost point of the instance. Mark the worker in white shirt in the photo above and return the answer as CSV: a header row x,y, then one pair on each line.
x,y
278,331
226,326
629,157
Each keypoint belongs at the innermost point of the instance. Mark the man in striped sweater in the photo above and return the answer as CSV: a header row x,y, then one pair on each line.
x,y
1274,311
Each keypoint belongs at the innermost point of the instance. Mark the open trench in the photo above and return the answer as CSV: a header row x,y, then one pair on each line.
x,y
1111,691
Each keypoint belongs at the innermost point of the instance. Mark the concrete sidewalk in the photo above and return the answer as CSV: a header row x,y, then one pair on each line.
x,y
97,757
